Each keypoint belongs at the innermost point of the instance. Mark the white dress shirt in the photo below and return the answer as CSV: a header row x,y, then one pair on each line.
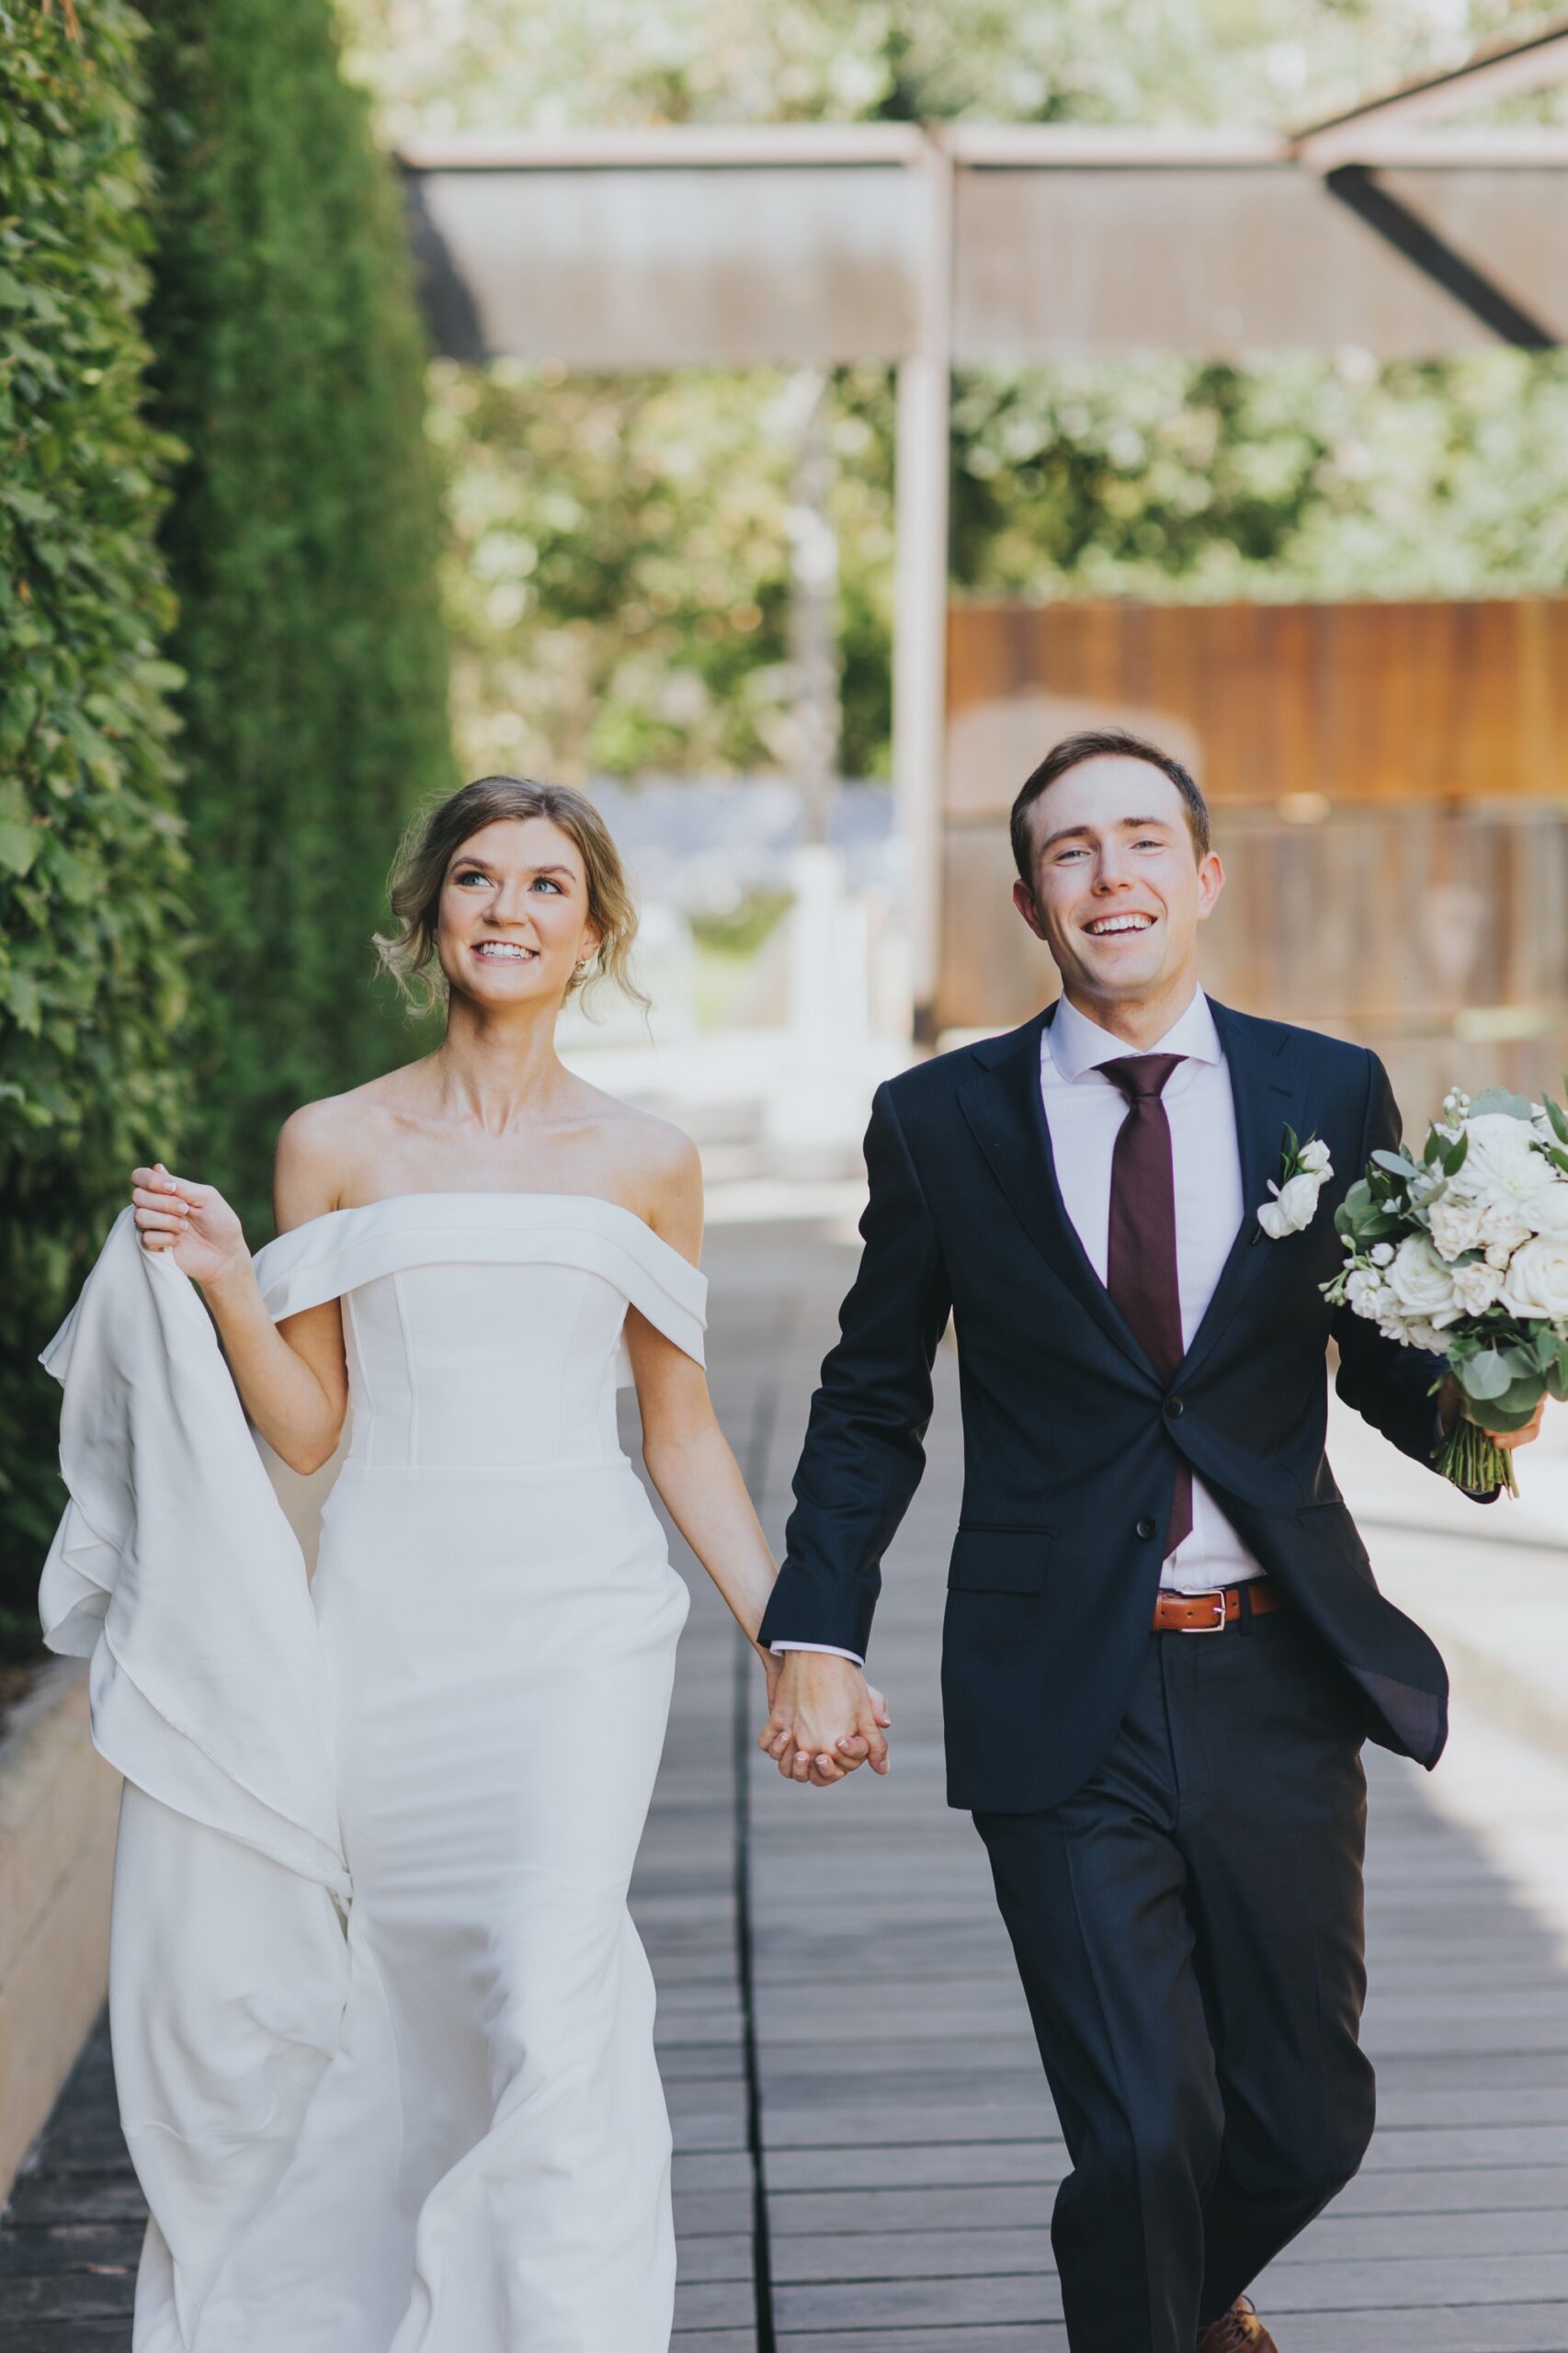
x,y
1084,1111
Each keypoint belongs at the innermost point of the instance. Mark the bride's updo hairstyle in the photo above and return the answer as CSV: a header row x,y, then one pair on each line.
x,y
427,850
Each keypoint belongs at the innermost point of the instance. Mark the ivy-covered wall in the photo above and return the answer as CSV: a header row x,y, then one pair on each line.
x,y
93,986
302,544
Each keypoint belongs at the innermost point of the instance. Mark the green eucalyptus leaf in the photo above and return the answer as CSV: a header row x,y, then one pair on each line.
x,y
1501,1099
1514,1408
1484,1375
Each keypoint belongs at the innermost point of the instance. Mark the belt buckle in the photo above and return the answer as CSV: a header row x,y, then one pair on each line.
x,y
1218,1623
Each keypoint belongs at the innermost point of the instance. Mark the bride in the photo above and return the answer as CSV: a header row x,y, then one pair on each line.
x,y
382,2025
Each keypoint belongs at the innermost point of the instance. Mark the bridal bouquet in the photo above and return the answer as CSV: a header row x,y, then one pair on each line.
x,y
1465,1252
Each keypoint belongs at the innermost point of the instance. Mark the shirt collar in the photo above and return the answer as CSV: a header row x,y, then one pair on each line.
x,y
1076,1044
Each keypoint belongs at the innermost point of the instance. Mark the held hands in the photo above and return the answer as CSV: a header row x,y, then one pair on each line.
x,y
824,1719
193,1223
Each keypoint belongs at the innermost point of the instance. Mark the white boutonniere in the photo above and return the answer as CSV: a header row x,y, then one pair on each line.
x,y
1306,1171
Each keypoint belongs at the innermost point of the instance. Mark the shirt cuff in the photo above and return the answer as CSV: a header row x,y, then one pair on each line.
x,y
823,1650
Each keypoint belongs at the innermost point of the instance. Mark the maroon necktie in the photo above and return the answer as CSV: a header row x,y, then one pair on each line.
x,y
1141,1267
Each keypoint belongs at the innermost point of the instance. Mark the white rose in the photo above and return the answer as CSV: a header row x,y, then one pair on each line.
x,y
1503,1166
1390,1315
1455,1226
1504,1227
1538,1279
1382,1254
1548,1213
1420,1333
1361,1292
1292,1207
1477,1287
1313,1158
1422,1285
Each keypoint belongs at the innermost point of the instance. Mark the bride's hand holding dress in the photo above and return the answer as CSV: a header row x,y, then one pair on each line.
x,y
193,1223
295,1387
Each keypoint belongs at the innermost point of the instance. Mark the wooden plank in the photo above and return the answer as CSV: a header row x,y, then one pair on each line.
x,y
1502,2192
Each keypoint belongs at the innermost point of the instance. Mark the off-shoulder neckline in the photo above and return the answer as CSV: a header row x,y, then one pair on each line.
x,y
487,1193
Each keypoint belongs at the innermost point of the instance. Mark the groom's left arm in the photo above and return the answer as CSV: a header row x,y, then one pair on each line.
x,y
1389,1385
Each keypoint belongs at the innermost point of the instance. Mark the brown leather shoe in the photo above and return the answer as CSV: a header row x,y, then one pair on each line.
x,y
1237,2331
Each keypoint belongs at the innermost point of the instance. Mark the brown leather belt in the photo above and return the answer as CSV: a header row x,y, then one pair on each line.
x,y
1210,1613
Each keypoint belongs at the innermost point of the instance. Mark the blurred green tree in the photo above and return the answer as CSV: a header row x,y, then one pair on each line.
x,y
616,577
560,63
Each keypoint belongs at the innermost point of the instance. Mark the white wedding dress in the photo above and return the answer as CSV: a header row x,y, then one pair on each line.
x,y
382,2023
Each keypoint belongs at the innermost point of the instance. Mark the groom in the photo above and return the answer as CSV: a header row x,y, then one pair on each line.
x,y
1163,1645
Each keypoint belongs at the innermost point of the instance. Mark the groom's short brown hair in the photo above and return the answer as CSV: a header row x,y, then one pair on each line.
x,y
1095,743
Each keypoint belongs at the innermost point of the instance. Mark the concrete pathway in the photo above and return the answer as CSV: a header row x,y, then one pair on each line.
x,y
865,2151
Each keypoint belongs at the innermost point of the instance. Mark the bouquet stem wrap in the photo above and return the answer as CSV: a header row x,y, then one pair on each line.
x,y
1472,1458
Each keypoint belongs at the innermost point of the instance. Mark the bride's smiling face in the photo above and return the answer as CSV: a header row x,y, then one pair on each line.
x,y
514,924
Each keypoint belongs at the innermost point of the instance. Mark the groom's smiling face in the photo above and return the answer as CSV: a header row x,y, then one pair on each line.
x,y
1119,886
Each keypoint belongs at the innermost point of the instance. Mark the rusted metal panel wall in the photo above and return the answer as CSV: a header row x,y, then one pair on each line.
x,y
1391,784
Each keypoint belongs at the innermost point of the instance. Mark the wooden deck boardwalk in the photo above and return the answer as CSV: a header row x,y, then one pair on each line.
x,y
865,2150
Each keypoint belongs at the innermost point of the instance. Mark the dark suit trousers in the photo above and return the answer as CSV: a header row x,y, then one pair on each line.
x,y
1188,1929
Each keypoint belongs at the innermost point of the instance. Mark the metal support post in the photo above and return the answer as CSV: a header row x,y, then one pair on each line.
x,y
920,604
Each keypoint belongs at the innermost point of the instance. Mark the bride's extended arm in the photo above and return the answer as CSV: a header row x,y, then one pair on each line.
x,y
697,1476
291,1376
688,1457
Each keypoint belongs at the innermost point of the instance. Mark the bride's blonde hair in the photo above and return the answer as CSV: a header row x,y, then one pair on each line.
x,y
436,834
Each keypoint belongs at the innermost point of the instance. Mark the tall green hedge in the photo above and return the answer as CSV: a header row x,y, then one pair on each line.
x,y
302,544
92,979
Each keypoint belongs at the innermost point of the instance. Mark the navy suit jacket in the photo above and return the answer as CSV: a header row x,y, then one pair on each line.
x,y
1071,1436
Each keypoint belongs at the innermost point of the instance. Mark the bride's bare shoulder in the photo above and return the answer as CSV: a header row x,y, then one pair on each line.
x,y
320,1146
657,1164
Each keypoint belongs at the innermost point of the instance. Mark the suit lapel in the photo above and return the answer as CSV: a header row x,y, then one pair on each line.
x,y
1006,1117
1266,1102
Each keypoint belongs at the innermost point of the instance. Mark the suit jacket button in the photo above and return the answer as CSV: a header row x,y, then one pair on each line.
x,y
1147,1527
1173,1407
